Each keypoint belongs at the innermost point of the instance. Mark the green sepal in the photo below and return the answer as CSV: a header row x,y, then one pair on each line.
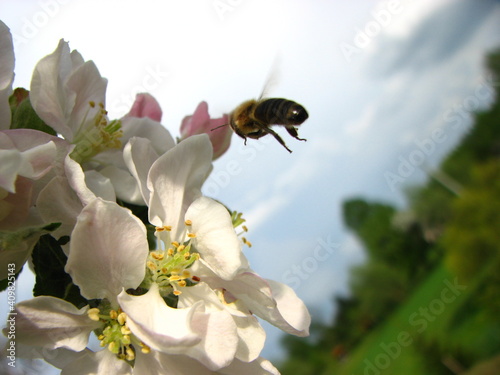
x,y
23,114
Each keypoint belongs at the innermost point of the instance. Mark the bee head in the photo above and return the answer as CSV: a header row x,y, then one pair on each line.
x,y
296,114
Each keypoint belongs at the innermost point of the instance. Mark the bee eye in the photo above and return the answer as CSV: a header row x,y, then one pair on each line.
x,y
297,115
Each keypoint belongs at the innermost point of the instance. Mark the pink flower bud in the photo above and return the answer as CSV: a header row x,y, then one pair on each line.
x,y
145,105
200,122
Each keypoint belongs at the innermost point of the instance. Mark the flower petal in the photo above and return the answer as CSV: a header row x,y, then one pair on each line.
x,y
58,203
272,301
216,240
145,105
108,250
62,87
101,363
159,136
53,323
291,315
45,92
159,326
6,74
156,363
175,181
139,156
219,339
200,122
260,366
251,338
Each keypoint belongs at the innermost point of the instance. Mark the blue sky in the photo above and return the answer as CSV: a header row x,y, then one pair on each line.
x,y
386,84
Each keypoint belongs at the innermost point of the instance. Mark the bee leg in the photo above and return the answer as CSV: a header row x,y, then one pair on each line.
x,y
278,138
293,132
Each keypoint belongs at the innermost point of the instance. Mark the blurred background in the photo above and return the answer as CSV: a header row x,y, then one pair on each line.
x,y
385,221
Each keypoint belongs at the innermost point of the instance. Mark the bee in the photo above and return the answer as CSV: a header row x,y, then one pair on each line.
x,y
254,118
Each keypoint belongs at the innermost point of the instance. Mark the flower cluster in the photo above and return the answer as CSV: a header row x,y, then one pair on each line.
x,y
110,216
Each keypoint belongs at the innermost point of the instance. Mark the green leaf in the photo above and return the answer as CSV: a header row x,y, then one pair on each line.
x,y
51,279
23,114
4,283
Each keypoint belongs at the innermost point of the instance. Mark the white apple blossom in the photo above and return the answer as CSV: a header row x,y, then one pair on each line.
x,y
68,94
200,246
103,262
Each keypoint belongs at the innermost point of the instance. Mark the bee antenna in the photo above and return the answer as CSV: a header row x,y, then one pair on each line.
x,y
220,126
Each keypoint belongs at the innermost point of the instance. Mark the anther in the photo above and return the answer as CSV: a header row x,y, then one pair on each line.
x,y
122,318
93,314
144,348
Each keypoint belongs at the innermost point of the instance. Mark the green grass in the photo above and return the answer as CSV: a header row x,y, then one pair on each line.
x,y
438,319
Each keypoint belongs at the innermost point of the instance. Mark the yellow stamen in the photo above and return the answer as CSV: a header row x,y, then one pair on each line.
x,y
94,314
158,256
144,348
122,318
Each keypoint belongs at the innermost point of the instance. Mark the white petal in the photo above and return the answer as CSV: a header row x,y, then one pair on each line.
x,y
157,363
274,302
139,156
62,87
100,185
6,74
260,366
101,363
29,153
159,326
124,184
48,98
251,338
219,339
144,127
87,85
58,203
52,323
76,179
61,357
175,181
10,164
216,240
108,250
200,292
292,310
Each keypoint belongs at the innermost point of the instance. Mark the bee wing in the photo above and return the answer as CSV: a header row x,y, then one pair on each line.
x,y
273,78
